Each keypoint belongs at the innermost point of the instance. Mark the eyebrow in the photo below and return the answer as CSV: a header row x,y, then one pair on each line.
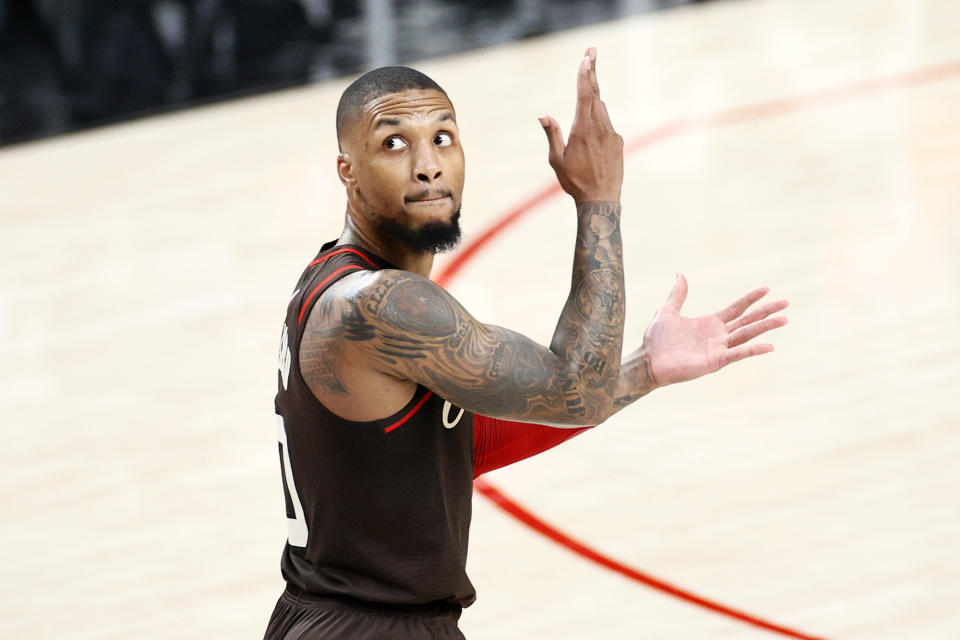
x,y
384,122
396,122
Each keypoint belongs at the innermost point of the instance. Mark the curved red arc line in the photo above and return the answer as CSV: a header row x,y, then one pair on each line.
x,y
731,116
549,531
462,257
727,117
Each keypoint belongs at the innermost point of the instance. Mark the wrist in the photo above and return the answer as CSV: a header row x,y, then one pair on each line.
x,y
591,212
609,200
640,366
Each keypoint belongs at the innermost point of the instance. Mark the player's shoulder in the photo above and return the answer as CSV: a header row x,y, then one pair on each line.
x,y
373,291
396,299
364,287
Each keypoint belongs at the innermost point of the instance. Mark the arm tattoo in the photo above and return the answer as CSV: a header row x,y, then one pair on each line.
x,y
319,345
589,334
411,328
424,335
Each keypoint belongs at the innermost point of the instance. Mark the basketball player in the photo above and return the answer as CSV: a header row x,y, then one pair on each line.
x,y
392,397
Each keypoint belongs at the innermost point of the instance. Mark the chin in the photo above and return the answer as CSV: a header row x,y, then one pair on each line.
x,y
436,235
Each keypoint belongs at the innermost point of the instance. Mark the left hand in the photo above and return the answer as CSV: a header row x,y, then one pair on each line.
x,y
681,348
590,165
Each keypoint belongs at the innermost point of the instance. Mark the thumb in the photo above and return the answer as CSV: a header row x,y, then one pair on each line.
x,y
554,138
678,294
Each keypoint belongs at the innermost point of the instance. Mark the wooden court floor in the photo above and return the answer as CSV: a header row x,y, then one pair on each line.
x,y
813,147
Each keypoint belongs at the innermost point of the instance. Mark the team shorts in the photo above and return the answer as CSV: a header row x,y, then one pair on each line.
x,y
304,616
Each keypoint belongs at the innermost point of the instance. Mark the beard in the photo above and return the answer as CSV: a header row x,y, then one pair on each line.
x,y
433,237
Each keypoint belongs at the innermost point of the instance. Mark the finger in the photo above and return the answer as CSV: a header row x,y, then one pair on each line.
x,y
738,307
677,295
600,115
592,75
747,351
585,93
757,314
554,139
751,331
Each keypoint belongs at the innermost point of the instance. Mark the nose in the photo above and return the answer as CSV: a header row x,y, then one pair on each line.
x,y
426,166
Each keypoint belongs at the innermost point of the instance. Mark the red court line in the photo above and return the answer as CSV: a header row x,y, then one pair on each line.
x,y
735,115
514,509
462,257
732,116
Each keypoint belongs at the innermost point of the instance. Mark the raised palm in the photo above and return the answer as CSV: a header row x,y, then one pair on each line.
x,y
682,348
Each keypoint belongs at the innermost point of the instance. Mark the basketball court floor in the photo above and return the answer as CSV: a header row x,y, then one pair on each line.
x,y
812,147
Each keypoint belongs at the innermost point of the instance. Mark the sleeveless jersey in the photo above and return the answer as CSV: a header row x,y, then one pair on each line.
x,y
378,511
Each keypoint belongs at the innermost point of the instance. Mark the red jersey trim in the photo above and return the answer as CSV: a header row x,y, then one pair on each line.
x,y
410,413
339,251
306,302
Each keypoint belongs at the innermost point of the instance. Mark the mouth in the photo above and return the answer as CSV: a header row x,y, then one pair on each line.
x,y
427,198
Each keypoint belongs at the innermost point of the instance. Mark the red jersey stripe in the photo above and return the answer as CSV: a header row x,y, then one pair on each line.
x,y
410,413
339,251
306,302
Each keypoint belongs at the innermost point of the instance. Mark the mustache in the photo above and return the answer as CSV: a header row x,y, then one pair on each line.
x,y
427,194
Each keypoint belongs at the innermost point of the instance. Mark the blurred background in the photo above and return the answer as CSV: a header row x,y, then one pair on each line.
x,y
73,64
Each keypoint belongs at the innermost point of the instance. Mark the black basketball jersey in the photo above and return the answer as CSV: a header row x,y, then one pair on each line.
x,y
378,511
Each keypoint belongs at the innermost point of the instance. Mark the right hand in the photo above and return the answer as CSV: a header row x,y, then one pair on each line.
x,y
681,348
590,166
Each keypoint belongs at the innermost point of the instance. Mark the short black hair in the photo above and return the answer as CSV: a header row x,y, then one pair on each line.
x,y
374,84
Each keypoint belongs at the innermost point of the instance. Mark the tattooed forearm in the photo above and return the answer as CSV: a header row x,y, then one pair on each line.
x,y
409,328
589,334
423,334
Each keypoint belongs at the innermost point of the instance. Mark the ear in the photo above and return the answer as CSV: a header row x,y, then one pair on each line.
x,y
345,170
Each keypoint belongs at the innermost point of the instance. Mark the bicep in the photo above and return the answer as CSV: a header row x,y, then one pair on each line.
x,y
420,333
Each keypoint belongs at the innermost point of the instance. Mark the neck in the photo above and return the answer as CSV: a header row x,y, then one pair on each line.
x,y
394,253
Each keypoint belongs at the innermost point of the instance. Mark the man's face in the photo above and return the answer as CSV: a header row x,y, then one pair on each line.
x,y
407,168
